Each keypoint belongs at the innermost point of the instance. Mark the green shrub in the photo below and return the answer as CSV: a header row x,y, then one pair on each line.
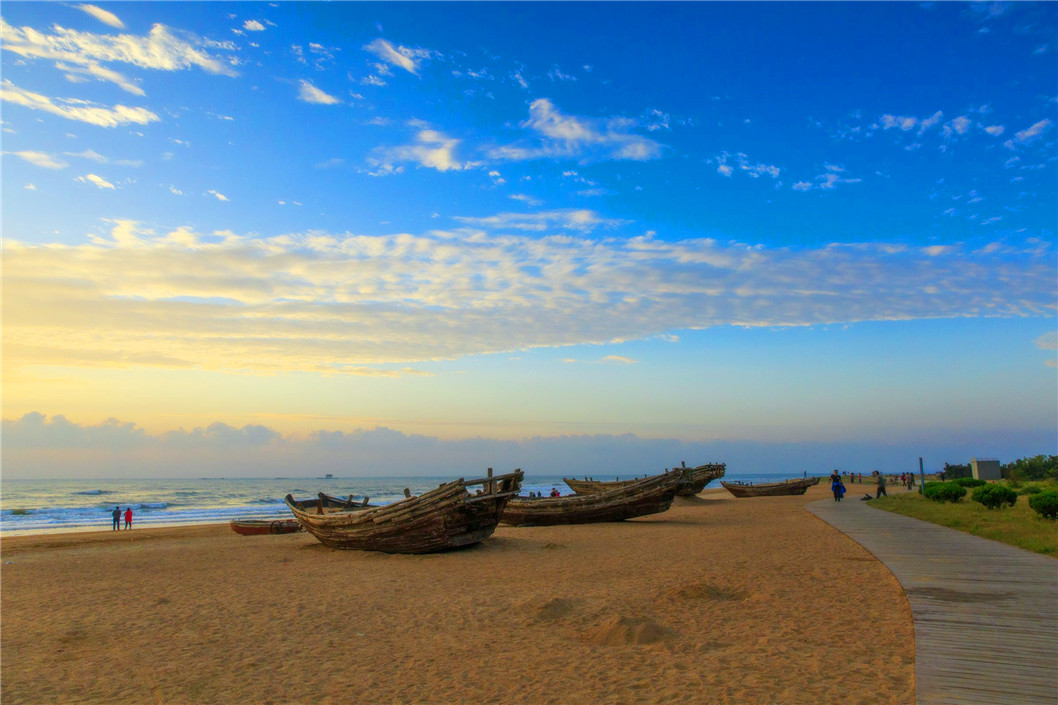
x,y
944,491
1038,467
969,482
1045,504
994,496
1031,489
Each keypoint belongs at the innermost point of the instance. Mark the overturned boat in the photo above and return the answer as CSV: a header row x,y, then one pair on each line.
x,y
443,518
770,489
257,527
692,481
636,498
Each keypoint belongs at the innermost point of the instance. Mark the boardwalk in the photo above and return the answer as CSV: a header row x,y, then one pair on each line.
x,y
986,614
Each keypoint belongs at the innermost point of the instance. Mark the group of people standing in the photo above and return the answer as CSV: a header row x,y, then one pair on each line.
x,y
117,518
837,485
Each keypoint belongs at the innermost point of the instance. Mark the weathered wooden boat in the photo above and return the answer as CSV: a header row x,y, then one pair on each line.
x,y
256,527
770,489
649,495
692,481
446,517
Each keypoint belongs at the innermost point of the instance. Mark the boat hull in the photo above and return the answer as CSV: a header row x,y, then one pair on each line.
x,y
258,527
651,495
771,489
691,483
441,519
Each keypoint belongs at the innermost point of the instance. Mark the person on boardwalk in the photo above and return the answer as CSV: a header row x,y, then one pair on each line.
x,y
117,518
880,492
128,518
837,486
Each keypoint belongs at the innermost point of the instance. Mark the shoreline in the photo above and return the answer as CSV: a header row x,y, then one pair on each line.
x,y
719,599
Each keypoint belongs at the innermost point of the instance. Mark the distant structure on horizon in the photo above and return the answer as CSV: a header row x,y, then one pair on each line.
x,y
985,469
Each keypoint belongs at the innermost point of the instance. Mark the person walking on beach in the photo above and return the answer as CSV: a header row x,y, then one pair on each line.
x,y
880,492
117,518
837,486
128,518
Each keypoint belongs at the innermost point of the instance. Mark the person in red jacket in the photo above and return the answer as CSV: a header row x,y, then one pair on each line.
x,y
128,518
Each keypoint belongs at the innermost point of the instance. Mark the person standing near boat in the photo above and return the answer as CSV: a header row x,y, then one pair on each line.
x,y
117,518
128,518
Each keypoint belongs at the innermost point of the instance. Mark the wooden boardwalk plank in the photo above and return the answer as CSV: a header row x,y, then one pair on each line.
x,y
986,614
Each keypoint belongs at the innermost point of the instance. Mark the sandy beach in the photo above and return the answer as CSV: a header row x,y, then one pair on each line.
x,y
717,600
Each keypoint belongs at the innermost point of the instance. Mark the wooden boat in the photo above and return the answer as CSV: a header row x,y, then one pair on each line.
x,y
650,495
692,482
256,527
770,489
447,517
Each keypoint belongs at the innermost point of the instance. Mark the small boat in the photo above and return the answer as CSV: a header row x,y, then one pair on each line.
x,y
692,482
650,495
256,527
770,489
443,518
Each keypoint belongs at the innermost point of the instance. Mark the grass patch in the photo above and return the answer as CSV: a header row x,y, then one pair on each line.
x,y
1018,525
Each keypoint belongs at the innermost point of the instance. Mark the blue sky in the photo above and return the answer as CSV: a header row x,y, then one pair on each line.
x,y
695,223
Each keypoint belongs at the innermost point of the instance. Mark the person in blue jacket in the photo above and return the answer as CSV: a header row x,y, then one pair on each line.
x,y
837,486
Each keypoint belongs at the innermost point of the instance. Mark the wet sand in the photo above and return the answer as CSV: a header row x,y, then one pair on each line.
x,y
717,600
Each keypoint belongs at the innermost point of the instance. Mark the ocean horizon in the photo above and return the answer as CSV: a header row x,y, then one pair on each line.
x,y
54,506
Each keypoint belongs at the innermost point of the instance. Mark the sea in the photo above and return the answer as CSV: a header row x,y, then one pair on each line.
x,y
55,506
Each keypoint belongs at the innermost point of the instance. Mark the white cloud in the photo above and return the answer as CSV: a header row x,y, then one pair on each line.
x,y
175,191
431,149
41,159
526,199
311,94
253,26
401,57
161,49
328,302
826,181
95,156
97,181
1047,341
575,137
581,220
31,187
1031,133
79,110
620,359
102,15
753,169
217,195
995,130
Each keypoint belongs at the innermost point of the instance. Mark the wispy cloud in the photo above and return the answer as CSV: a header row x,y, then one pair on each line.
x,y
328,302
744,165
311,94
95,180
431,149
161,49
580,220
1031,133
401,57
253,26
41,159
102,15
217,195
75,109
576,137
